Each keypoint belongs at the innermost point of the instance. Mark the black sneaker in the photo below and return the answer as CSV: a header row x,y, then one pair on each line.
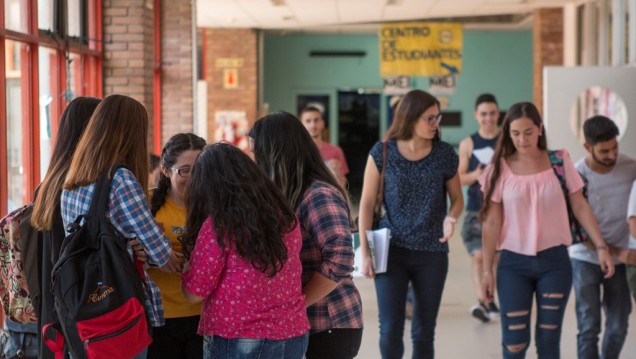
x,y
493,311
480,312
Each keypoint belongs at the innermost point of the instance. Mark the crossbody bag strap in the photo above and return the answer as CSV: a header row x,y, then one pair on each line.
x,y
380,195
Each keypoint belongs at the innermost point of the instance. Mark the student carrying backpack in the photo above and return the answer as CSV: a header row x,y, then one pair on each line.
x,y
98,290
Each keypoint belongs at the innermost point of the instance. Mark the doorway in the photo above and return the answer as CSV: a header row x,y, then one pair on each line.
x,y
358,131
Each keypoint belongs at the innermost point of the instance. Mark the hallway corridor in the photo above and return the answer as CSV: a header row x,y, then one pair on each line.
x,y
459,335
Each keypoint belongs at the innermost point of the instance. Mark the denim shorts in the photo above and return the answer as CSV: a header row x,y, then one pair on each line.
x,y
471,232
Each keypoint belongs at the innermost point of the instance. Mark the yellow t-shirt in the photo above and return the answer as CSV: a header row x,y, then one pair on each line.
x,y
173,218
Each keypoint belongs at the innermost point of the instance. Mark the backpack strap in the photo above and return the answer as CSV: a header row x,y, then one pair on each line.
x,y
556,160
57,345
99,206
100,200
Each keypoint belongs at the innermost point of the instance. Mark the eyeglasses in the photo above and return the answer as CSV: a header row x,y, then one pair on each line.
x,y
183,172
433,119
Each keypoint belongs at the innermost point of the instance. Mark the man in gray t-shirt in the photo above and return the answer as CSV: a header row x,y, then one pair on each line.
x,y
610,177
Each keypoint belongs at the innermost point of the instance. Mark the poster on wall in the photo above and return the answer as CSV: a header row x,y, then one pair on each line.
x,y
232,127
420,49
442,85
396,85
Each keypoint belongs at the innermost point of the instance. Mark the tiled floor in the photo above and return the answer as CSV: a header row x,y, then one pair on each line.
x,y
458,334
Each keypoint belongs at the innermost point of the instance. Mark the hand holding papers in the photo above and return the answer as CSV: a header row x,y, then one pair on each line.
x,y
379,244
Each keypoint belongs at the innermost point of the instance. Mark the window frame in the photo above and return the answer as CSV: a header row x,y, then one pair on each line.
x,y
89,82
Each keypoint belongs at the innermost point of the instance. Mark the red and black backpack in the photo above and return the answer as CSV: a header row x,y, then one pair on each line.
x,y
98,289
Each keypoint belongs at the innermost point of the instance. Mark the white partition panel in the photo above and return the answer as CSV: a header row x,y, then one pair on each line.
x,y
561,88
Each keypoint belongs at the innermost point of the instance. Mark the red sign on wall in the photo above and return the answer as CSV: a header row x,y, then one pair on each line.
x,y
230,78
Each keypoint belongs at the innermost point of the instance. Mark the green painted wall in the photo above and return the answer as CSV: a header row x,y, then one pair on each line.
x,y
499,62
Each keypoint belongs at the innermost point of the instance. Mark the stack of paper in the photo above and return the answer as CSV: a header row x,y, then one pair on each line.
x,y
379,241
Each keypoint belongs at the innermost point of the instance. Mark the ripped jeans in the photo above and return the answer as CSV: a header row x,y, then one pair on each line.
x,y
244,348
520,278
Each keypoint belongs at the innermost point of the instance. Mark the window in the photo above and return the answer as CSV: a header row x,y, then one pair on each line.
x,y
14,100
16,15
45,15
30,110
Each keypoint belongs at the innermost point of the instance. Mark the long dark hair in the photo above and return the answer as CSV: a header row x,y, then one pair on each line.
x,y
72,124
177,144
249,212
285,151
408,112
505,146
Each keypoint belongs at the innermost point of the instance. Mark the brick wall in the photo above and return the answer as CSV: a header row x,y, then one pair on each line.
x,y
547,46
127,45
231,44
176,68
129,63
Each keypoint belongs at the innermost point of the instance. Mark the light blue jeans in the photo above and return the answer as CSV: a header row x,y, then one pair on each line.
x,y
615,301
245,348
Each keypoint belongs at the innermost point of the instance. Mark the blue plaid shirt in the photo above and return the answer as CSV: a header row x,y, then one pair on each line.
x,y
129,213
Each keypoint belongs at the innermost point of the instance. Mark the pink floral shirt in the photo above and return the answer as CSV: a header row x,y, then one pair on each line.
x,y
243,302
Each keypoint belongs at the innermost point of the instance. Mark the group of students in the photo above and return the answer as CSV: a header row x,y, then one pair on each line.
x,y
264,243
252,257
516,227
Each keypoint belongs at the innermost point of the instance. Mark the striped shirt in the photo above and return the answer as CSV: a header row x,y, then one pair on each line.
x,y
130,215
328,250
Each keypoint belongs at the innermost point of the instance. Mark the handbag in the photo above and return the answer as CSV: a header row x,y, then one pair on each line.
x,y
379,198
579,234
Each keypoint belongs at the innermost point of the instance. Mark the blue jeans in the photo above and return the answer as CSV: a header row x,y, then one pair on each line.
x,y
520,278
427,272
247,348
616,302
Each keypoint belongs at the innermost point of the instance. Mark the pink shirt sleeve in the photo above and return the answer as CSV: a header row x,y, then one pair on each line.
x,y
573,179
206,263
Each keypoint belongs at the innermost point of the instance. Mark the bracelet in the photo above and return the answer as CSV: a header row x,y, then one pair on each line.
x,y
451,219
486,274
600,248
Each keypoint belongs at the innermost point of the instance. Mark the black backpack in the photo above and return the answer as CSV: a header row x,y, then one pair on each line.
x,y
98,290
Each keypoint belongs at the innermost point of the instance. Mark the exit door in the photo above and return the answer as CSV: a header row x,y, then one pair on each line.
x,y
359,130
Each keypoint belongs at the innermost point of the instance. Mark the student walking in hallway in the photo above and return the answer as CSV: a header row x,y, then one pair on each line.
x,y
420,175
610,175
525,216
475,153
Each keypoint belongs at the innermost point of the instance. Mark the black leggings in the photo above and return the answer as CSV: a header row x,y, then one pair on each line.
x,y
334,344
177,339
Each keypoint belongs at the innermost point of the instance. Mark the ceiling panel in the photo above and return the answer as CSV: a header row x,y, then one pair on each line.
x,y
311,15
222,13
263,12
351,11
314,12
408,9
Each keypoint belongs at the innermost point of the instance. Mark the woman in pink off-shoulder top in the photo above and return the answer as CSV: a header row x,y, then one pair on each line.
x,y
525,217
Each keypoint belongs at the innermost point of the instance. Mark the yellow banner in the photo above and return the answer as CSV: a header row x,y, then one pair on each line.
x,y
420,49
